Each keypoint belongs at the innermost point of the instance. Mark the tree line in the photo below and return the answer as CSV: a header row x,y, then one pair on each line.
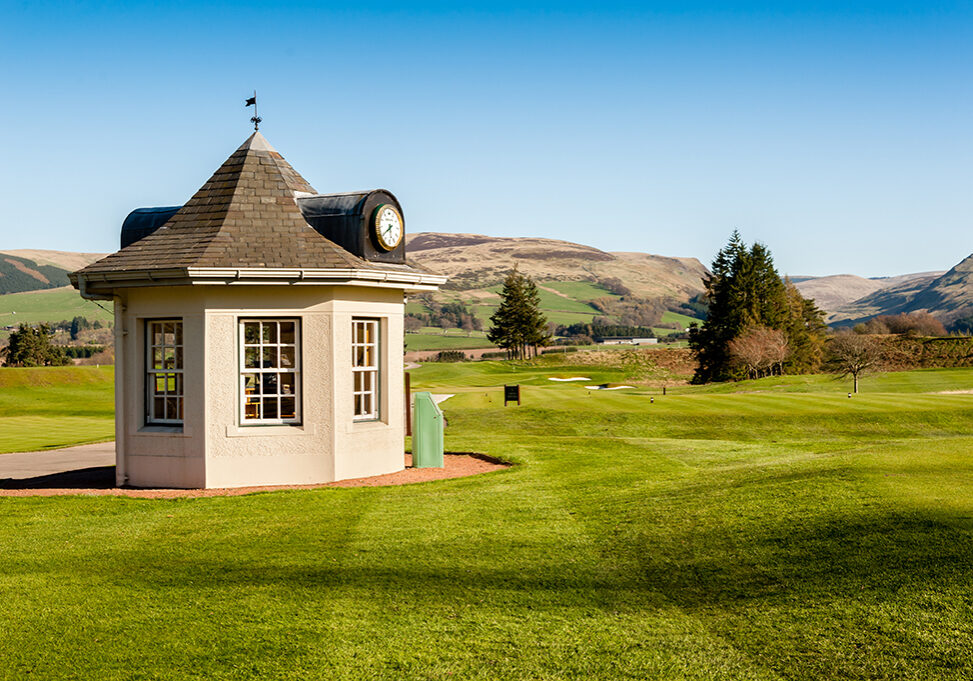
x,y
31,346
454,315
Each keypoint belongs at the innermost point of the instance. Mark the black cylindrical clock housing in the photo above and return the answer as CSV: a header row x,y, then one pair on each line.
x,y
348,220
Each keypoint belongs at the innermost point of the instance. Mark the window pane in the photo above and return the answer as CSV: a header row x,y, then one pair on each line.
x,y
269,384
171,383
369,333
287,408
169,331
250,385
178,357
160,384
157,358
287,332
270,408
287,384
156,333
367,403
288,356
359,356
179,408
169,358
158,408
252,408
179,388
178,333
370,356
358,410
269,358
269,332
250,358
251,332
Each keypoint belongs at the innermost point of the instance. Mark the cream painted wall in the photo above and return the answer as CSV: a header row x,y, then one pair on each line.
x,y
160,456
214,449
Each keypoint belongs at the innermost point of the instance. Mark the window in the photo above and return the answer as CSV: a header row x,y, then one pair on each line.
x,y
364,367
163,373
269,371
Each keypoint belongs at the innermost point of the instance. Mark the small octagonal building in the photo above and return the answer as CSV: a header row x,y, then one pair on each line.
x,y
258,331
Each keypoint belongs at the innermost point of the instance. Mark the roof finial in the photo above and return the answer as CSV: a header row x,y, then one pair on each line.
x,y
256,120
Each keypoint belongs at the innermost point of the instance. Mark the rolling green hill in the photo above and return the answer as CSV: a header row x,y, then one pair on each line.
x,y
51,305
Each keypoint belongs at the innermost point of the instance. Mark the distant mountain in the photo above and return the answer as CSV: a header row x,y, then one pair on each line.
x,y
65,260
835,292
20,274
474,261
944,295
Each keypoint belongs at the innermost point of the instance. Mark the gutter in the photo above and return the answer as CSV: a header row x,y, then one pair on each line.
x,y
255,275
80,282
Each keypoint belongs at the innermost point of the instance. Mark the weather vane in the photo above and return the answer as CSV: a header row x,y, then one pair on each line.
x,y
256,120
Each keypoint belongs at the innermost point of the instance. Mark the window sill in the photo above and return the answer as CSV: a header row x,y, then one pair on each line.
x,y
370,424
163,431
257,430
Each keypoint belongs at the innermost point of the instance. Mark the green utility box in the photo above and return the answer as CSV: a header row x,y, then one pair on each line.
x,y
427,433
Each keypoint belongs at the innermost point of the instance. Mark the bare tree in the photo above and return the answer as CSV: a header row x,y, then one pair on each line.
x,y
854,354
760,350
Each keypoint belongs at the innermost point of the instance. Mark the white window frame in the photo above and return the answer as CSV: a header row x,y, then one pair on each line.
x,y
260,371
366,375
171,375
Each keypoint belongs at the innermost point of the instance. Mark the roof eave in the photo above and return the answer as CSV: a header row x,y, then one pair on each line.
x,y
96,283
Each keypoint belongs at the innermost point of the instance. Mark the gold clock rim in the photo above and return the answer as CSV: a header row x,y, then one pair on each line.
x,y
377,232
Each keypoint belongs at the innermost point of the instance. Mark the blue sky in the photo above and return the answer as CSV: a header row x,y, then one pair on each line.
x,y
840,135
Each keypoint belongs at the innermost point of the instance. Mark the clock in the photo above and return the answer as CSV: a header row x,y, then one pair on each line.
x,y
387,227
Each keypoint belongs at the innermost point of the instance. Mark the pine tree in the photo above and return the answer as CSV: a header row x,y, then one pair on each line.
x,y
534,322
518,324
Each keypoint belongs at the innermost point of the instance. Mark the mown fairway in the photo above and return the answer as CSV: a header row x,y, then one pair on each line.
x,y
52,407
756,535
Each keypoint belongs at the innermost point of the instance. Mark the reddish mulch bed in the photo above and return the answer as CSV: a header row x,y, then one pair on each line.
x,y
100,481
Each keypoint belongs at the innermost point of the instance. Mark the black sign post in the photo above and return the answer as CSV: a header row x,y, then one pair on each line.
x,y
511,393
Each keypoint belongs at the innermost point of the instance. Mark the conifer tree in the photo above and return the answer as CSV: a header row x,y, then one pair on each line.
x,y
518,324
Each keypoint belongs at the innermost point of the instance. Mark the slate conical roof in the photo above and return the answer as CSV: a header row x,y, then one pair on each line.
x,y
245,216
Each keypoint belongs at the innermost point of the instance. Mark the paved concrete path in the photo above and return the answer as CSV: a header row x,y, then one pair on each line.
x,y
21,465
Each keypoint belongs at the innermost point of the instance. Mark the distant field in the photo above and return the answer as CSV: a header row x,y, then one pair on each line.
x,y
51,305
50,407
669,317
580,290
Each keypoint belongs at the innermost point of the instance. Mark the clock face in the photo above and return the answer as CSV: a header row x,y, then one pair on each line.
x,y
388,227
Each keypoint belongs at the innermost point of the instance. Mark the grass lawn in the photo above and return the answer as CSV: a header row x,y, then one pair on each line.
x,y
53,407
787,532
